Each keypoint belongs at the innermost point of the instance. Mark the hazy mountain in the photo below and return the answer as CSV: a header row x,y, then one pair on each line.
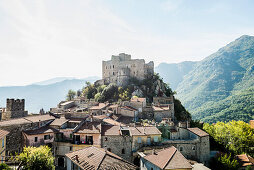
x,y
173,73
53,80
221,87
42,96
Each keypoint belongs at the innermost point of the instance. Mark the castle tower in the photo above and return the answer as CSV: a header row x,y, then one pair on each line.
x,y
14,109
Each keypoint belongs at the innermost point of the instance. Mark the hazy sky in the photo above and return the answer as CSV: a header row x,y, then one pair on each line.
x,y
43,39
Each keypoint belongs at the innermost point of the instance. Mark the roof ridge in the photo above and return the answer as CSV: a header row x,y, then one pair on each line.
x,y
170,158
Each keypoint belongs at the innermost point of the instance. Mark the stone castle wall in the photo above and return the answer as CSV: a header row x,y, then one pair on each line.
x,y
121,68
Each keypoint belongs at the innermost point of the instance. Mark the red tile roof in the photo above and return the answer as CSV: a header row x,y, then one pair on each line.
x,y
110,130
144,130
198,132
42,130
3,133
89,128
169,158
97,158
59,122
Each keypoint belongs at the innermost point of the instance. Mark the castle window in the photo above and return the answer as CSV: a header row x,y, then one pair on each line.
x,y
70,148
181,148
123,151
106,139
109,149
113,66
194,147
113,73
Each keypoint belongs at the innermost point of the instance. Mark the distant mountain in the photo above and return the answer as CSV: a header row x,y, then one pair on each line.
x,y
42,96
173,73
221,87
53,80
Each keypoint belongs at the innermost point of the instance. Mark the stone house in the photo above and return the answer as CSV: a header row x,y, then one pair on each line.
x,y
117,140
168,159
144,136
88,134
66,105
14,140
42,136
3,134
59,123
137,103
129,112
98,109
120,69
97,159
161,112
193,143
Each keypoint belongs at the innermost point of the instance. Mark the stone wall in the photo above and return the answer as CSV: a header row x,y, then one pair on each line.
x,y
119,145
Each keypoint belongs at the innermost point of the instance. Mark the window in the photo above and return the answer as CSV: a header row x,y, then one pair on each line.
x,y
70,135
46,137
139,140
123,151
181,148
106,139
151,168
109,149
35,139
2,142
113,66
194,147
56,148
155,139
70,148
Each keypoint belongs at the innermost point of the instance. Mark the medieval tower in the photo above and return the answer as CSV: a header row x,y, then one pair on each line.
x,y
14,109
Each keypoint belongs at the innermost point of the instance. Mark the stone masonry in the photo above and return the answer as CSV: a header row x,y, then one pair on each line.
x,y
14,109
121,68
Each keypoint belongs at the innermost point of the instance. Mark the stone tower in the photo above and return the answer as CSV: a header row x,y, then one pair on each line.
x,y
14,109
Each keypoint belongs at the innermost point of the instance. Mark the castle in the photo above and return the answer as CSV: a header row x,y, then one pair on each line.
x,y
14,109
121,68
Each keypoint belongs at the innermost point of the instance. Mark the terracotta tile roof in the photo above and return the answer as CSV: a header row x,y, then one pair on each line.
x,y
169,158
100,117
42,130
112,122
245,160
3,133
24,120
59,122
113,106
115,117
198,132
124,120
144,130
110,130
99,107
90,127
138,99
92,158
39,118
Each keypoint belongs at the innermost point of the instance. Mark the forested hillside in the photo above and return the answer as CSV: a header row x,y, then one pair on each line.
x,y
220,87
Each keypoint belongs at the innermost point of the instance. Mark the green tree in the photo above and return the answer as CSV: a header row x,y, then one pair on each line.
x,y
71,94
36,158
3,166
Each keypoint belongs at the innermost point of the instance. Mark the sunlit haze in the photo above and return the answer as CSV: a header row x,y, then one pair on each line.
x,y
51,38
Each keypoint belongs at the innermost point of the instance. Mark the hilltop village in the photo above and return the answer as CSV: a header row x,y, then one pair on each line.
x,y
142,130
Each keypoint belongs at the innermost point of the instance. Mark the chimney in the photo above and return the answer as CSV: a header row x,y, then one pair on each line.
x,y
153,152
76,157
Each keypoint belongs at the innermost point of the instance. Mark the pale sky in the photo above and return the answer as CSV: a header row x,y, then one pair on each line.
x,y
44,39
